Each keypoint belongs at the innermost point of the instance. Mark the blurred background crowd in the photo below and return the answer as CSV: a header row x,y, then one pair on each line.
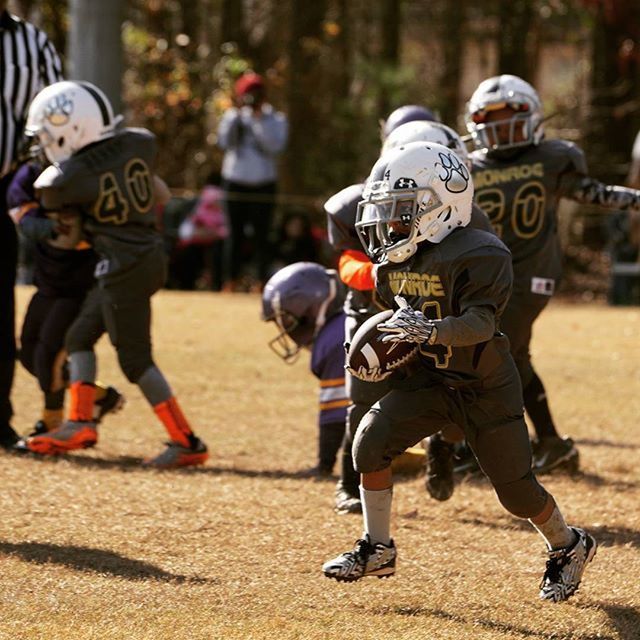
x,y
332,69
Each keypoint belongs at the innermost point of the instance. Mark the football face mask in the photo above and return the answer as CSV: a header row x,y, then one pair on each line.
x,y
513,127
387,221
293,335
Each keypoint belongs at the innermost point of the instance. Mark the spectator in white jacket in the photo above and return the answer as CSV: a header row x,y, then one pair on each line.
x,y
252,134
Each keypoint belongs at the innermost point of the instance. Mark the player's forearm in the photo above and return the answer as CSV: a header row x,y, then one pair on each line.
x,y
37,229
594,192
475,325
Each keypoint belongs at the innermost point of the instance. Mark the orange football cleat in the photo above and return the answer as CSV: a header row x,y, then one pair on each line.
x,y
71,435
175,456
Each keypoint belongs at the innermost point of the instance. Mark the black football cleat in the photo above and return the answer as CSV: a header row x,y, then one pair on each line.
x,y
367,559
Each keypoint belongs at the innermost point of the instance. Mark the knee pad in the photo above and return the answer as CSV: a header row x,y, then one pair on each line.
x,y
355,413
76,340
370,443
524,498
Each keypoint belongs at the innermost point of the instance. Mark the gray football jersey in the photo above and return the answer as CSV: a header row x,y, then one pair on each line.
x,y
520,195
111,184
469,268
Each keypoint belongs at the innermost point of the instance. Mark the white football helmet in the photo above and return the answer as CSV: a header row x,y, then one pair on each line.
x,y
67,116
499,92
416,192
427,132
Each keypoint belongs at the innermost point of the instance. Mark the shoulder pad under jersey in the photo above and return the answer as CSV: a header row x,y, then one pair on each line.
x,y
570,152
341,210
48,177
138,132
470,241
480,220
344,204
141,140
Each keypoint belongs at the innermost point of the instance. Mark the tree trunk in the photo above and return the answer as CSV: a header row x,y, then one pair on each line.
x,y
304,99
615,101
390,20
232,24
516,19
453,33
95,45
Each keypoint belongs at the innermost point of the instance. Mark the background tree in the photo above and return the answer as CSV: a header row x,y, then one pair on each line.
x,y
613,118
95,39
517,52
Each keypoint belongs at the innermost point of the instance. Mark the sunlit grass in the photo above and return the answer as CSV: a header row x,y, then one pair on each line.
x,y
94,547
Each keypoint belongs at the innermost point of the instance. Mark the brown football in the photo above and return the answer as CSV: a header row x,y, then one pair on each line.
x,y
368,355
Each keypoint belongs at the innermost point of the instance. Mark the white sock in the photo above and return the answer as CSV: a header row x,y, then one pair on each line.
x,y
555,531
376,510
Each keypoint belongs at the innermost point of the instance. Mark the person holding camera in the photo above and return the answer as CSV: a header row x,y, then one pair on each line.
x,y
252,134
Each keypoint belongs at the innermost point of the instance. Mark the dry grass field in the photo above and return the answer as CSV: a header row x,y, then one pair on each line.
x,y
94,547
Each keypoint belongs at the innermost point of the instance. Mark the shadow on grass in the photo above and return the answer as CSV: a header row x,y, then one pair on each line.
x,y
89,560
593,442
626,620
130,463
590,479
594,480
514,631
607,536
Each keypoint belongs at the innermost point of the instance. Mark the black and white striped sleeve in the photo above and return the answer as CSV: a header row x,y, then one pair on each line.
x,y
50,65
28,63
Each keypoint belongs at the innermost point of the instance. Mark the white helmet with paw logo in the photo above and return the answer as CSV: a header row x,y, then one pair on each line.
x,y
419,191
67,116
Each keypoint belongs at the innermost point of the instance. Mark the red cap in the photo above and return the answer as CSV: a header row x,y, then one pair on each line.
x,y
248,82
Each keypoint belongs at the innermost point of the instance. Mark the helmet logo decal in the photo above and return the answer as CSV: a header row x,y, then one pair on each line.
x,y
58,110
405,183
455,175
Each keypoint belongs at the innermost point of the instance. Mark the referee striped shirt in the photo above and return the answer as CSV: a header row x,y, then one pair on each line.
x,y
28,63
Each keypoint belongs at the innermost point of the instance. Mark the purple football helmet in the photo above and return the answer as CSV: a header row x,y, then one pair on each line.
x,y
406,113
300,298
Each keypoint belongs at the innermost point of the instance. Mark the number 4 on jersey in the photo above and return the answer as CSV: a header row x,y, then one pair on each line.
x,y
439,352
112,205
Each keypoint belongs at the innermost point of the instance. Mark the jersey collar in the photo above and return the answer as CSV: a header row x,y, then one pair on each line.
x,y
7,21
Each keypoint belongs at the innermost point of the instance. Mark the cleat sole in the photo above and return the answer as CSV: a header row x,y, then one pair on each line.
x,y
186,461
51,447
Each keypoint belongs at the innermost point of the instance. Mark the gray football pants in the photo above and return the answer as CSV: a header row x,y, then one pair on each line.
x,y
517,322
492,420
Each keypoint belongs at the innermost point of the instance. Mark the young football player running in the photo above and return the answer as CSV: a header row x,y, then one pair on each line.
x,y
104,175
304,300
356,271
63,274
451,283
519,177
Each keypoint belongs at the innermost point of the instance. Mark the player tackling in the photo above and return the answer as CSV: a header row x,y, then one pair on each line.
x,y
104,175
